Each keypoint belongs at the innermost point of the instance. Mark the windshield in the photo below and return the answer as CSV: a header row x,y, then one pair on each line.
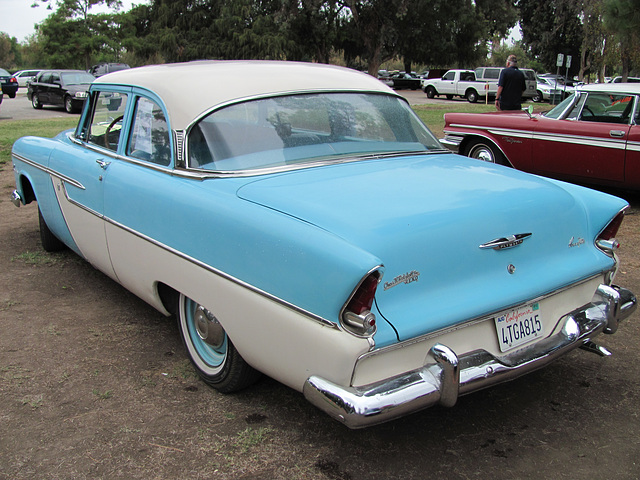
x,y
77,78
561,107
289,131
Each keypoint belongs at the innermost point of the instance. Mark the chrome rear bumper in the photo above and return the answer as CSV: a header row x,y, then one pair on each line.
x,y
446,376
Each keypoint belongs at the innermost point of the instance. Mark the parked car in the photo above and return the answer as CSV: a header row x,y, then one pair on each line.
x,y
590,137
492,74
548,89
308,226
9,84
460,83
67,88
25,76
402,80
629,80
104,68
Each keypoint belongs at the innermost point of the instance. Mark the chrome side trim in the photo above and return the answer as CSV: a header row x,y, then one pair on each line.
x,y
49,171
633,146
64,178
550,137
445,375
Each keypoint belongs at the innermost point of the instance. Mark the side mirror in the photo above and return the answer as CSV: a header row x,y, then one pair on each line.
x,y
529,111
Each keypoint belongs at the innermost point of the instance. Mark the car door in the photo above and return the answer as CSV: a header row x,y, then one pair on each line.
x,y
589,143
39,87
55,91
447,86
83,167
141,195
632,158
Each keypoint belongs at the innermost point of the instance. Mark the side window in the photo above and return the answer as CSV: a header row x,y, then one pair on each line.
x,y
492,73
609,108
449,76
106,121
150,134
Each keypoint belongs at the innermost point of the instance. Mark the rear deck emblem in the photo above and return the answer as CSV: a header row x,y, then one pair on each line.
x,y
405,278
506,242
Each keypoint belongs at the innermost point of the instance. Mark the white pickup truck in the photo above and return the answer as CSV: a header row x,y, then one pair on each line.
x,y
461,83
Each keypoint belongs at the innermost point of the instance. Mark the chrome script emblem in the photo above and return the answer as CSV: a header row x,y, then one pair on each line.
x,y
576,242
506,242
405,278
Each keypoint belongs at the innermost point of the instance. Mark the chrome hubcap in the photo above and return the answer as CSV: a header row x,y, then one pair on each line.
x,y
483,154
208,328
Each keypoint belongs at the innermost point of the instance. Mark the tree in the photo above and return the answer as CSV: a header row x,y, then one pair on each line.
x,y
552,27
369,30
622,18
7,50
311,26
72,30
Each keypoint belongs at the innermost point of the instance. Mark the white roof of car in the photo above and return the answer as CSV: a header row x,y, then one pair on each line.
x,y
616,88
191,89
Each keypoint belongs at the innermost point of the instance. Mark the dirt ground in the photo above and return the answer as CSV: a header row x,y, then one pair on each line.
x,y
95,384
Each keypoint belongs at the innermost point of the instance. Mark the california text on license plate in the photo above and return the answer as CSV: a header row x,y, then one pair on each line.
x,y
519,326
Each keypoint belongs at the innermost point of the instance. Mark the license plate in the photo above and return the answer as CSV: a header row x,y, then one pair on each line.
x,y
519,326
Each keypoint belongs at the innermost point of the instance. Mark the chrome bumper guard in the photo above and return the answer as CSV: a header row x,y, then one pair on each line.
x,y
452,142
16,199
446,376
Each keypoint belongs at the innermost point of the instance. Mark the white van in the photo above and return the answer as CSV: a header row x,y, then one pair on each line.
x,y
492,74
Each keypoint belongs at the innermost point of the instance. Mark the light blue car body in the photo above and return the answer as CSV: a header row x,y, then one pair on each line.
x,y
307,237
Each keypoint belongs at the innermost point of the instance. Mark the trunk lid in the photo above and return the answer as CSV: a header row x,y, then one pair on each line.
x,y
425,217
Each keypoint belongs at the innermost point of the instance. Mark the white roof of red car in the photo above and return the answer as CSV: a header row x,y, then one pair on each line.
x,y
191,89
615,88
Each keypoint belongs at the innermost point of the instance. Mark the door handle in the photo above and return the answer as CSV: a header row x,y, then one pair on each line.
x,y
103,164
617,133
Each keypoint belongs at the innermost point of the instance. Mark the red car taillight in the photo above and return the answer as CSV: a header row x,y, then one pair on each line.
x,y
13,80
357,316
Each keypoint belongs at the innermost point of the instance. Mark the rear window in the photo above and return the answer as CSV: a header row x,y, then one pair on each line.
x,y
289,131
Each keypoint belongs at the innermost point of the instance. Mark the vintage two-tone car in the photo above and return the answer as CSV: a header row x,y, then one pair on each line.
x,y
592,137
309,227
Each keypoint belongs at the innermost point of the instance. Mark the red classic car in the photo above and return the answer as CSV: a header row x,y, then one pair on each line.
x,y
591,137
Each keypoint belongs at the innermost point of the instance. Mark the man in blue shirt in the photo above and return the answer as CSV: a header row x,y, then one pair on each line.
x,y
511,84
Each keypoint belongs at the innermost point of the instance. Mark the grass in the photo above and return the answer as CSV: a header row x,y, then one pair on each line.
x,y
36,258
433,115
14,129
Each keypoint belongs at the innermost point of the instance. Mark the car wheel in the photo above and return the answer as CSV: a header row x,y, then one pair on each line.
x,y
50,243
211,351
537,97
431,92
35,101
472,96
68,104
485,151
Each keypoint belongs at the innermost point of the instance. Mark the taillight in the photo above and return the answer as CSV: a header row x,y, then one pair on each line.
x,y
606,240
13,80
357,316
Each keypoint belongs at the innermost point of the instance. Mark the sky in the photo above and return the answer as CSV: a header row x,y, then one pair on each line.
x,y
17,18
